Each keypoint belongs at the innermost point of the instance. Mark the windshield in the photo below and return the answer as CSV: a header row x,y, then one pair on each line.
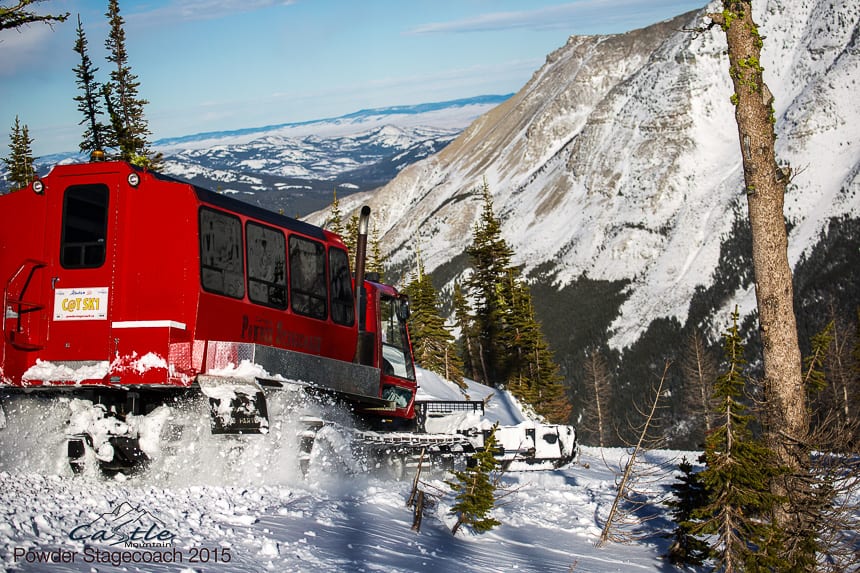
x,y
396,357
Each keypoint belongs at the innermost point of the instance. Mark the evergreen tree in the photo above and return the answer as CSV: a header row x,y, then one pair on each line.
x,y
335,219
531,373
20,162
124,105
89,100
737,477
432,344
350,237
509,346
688,495
814,376
375,259
490,256
468,340
475,489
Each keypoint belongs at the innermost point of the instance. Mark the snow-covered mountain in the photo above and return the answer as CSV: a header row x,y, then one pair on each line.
x,y
617,174
295,167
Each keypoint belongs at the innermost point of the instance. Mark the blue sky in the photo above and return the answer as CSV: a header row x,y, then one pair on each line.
x,y
210,65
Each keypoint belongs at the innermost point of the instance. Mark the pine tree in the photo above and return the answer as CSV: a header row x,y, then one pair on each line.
x,y
89,100
124,105
20,162
531,373
335,218
432,344
350,237
737,477
467,342
475,489
375,259
814,376
509,346
688,495
490,256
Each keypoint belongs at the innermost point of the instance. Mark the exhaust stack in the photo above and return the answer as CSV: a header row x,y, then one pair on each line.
x,y
365,344
361,251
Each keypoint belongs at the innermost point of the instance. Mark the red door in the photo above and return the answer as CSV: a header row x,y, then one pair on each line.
x,y
80,250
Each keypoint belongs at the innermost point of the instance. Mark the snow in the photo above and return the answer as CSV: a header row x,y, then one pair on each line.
x,y
242,510
616,161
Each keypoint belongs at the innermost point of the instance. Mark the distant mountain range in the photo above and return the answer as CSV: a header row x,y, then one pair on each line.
x,y
296,167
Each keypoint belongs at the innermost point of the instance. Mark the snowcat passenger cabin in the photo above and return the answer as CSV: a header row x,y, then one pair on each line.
x,y
115,277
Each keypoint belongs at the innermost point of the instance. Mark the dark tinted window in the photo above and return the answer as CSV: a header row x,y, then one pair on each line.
x,y
307,277
267,265
342,301
221,266
85,209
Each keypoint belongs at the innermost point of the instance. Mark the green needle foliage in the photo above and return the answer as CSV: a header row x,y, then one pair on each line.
x,y
475,489
689,495
20,160
432,343
737,478
503,341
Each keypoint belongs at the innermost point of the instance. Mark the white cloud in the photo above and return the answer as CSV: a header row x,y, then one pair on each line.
x,y
572,16
192,10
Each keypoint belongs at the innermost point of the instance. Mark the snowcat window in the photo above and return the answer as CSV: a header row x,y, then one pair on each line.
x,y
307,277
396,358
267,265
221,260
399,396
85,220
342,301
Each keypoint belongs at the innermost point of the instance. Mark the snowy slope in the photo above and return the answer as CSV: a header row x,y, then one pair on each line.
x,y
354,524
619,161
269,520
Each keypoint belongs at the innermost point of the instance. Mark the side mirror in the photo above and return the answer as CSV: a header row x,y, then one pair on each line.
x,y
403,312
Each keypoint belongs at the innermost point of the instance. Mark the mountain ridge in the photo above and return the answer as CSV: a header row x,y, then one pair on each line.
x,y
616,169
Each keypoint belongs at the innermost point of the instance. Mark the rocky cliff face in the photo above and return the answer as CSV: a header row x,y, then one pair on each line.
x,y
618,162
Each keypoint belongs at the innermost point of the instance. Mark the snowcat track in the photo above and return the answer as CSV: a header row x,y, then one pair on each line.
x,y
443,451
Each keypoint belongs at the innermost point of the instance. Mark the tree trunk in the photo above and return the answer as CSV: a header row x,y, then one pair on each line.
x,y
787,416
